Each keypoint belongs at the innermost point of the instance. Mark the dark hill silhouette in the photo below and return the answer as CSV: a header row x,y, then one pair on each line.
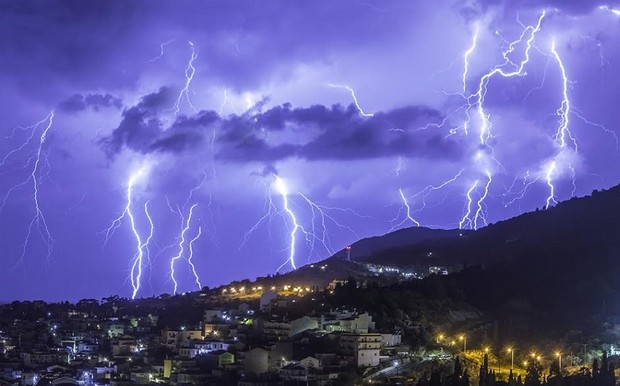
x,y
587,222
560,267
365,248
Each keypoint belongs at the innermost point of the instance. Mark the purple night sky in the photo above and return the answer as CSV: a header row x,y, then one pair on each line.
x,y
258,113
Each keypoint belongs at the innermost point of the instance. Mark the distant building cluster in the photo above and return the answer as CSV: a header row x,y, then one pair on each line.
x,y
242,345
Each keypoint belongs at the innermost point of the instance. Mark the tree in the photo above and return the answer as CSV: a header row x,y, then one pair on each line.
x,y
533,376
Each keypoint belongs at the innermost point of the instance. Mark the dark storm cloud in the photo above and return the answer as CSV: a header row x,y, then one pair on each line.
x,y
79,102
52,44
398,132
317,132
252,148
106,45
142,130
176,142
140,127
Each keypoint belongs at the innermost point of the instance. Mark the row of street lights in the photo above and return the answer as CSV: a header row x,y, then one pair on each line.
x,y
461,338
510,350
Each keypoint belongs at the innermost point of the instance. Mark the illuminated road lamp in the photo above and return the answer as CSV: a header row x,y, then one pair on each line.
x,y
512,357
463,338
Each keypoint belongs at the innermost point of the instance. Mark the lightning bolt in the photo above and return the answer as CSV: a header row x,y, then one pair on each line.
x,y
355,101
190,71
136,267
424,193
38,220
32,129
573,179
480,212
282,189
480,95
603,128
466,56
137,261
162,47
191,255
565,107
466,220
226,101
548,176
400,165
185,227
408,215
321,212
315,232
527,182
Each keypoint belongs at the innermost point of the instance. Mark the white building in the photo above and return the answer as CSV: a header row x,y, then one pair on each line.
x,y
364,349
391,340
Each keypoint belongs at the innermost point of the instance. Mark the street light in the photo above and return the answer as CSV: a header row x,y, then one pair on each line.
x,y
512,357
559,356
464,339
439,338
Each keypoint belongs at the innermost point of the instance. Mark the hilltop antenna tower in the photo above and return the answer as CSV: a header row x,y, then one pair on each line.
x,y
348,251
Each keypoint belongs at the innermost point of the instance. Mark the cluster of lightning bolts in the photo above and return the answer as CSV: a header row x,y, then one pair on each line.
x,y
314,232
142,255
184,244
36,165
292,207
142,246
474,212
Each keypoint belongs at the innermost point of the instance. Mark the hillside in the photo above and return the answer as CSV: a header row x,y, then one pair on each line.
x,y
364,249
555,269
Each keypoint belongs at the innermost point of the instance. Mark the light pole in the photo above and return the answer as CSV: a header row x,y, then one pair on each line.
x,y
512,357
464,339
559,355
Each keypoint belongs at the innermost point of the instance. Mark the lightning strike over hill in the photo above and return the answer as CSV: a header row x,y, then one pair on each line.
x,y
549,179
466,220
310,224
282,189
480,213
